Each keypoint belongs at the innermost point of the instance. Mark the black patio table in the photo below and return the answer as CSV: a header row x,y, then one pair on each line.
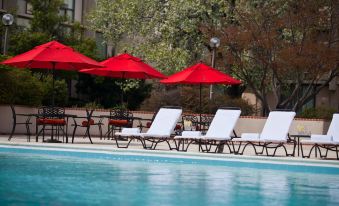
x,y
298,136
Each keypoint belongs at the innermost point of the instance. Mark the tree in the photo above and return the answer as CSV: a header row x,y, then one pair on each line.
x,y
164,32
46,18
289,48
45,26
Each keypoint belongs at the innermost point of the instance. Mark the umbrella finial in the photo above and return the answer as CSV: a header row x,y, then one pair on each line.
x,y
125,51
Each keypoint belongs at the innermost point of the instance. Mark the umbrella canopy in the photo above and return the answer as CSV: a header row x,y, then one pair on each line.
x,y
52,55
125,66
200,74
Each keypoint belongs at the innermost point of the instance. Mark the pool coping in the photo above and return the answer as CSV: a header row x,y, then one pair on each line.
x,y
179,155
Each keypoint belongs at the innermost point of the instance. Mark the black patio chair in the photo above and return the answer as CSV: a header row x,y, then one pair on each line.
x,y
117,119
52,119
27,123
87,123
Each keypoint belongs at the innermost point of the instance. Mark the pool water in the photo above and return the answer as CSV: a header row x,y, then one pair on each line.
x,y
38,178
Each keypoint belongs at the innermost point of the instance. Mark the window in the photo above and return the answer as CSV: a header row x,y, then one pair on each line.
x,y
101,46
29,8
67,9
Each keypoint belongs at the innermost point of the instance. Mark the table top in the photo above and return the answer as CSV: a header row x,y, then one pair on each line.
x,y
300,135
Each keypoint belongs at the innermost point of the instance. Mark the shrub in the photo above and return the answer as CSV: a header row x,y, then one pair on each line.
x,y
60,91
318,112
188,98
93,105
18,86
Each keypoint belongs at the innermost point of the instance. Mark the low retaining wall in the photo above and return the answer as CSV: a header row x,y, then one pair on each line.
x,y
245,124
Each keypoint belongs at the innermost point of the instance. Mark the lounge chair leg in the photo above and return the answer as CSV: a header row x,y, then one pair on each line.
x,y
266,149
302,151
233,146
229,147
169,145
236,151
219,147
286,151
117,143
275,150
312,148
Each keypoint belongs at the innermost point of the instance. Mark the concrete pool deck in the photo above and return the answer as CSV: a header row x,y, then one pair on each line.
x,y
108,146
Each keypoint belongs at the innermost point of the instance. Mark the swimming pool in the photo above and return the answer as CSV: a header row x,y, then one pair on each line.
x,y
48,177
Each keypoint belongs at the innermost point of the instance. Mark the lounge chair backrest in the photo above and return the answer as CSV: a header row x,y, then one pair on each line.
x,y
165,121
333,130
223,123
277,125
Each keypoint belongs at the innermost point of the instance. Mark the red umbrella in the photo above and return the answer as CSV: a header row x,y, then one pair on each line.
x,y
125,66
52,55
200,74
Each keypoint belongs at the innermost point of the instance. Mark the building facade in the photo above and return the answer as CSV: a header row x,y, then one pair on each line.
x,y
75,10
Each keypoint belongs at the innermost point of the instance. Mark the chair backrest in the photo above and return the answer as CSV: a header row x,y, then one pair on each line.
x,y
165,121
52,112
333,130
223,123
277,125
121,114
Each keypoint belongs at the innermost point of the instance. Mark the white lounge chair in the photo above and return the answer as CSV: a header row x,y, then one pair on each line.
x,y
330,141
273,135
160,130
218,134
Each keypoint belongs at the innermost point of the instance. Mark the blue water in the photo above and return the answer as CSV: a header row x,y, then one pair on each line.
x,y
30,177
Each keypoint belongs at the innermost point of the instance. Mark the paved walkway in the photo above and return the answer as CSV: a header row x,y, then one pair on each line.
x,y
104,144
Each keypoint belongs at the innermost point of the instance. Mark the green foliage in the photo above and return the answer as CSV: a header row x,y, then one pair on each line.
x,y
318,113
26,40
20,87
46,25
24,87
60,91
134,96
107,91
93,105
46,18
166,33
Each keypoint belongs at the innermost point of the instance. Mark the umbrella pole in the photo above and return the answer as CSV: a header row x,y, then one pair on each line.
x,y
53,74
122,89
200,102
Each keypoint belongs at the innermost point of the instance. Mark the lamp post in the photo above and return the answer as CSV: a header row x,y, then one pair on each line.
x,y
214,44
7,20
